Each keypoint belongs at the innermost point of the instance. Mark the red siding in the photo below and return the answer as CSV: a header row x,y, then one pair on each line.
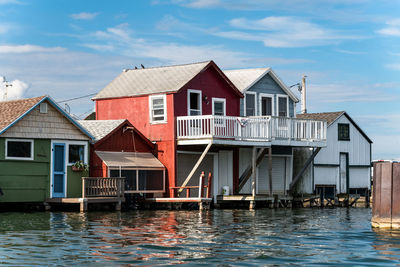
x,y
212,85
117,142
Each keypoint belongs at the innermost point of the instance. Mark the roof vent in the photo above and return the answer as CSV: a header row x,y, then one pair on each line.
x,y
43,108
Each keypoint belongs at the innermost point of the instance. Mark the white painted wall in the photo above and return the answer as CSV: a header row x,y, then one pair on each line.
x,y
358,147
357,178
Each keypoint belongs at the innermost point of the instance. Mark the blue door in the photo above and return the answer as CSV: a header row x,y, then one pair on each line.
x,y
58,175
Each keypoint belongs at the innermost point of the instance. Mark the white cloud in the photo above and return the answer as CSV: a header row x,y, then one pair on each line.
x,y
392,28
6,2
393,66
284,32
15,91
84,16
19,49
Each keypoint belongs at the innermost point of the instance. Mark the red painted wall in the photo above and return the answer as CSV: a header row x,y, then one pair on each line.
x,y
212,85
117,142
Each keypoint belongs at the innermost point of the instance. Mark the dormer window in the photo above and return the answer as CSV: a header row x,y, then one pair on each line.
x,y
158,109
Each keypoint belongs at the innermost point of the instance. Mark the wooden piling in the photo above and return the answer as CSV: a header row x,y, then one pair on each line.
x,y
386,195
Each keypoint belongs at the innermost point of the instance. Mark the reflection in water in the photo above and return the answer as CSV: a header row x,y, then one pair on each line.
x,y
228,237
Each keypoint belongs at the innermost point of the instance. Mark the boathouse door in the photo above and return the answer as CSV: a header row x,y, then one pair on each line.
x,y
58,175
344,173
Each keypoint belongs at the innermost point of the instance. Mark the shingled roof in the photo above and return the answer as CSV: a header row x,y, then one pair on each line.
x,y
10,111
330,117
100,128
244,79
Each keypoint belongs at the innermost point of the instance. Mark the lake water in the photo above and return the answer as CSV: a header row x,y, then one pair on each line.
x,y
218,237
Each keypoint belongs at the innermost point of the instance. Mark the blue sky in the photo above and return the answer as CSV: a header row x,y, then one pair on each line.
x,y
349,49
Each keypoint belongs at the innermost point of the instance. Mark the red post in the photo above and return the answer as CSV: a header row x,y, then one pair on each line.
x,y
209,185
187,192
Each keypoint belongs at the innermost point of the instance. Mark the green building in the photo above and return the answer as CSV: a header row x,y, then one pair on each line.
x,y
39,143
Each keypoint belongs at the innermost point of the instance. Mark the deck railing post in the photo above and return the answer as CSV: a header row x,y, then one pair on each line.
x,y
201,184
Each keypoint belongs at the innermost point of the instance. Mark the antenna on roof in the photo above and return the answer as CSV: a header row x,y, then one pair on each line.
x,y
6,85
142,66
67,108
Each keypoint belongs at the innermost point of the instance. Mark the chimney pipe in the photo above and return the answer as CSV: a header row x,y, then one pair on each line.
x,y
303,95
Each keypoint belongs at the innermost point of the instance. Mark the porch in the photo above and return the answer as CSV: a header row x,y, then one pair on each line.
x,y
96,190
251,131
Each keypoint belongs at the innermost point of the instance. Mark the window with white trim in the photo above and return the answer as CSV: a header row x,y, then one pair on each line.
x,y
283,106
218,106
21,149
250,104
194,102
266,105
158,109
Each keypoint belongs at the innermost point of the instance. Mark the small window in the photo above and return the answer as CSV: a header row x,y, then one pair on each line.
x,y
19,149
158,113
266,105
250,104
218,106
343,132
43,108
76,153
282,106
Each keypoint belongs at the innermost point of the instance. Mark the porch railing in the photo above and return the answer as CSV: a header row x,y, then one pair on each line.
x,y
103,187
262,128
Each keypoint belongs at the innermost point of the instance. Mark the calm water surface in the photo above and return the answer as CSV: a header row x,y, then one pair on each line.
x,y
217,237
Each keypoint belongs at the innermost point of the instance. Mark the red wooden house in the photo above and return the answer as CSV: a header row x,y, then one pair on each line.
x,y
192,113
120,150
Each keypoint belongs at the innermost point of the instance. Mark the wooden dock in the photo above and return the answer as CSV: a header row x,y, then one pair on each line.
x,y
271,201
96,190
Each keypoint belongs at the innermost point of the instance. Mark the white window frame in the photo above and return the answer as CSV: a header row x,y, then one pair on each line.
x,y
216,99
80,143
189,91
287,104
19,140
255,103
261,95
164,97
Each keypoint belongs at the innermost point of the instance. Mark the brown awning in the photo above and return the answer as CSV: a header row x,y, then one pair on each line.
x,y
130,159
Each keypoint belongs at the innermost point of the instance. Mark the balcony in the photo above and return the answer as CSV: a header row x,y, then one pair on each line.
x,y
250,131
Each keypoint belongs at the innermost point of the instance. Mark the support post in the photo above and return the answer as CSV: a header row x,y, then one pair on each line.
x,y
209,185
270,170
201,184
83,205
195,167
253,178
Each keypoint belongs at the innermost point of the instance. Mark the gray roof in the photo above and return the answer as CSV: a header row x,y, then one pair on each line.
x,y
130,159
243,79
147,81
100,128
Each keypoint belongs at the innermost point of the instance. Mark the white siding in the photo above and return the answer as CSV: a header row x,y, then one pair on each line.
x,y
279,176
358,147
326,176
359,177
225,171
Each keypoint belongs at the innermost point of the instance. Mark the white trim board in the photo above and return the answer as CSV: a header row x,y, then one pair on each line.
x,y
200,100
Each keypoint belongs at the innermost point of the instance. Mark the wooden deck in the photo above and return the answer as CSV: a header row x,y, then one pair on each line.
x,y
273,201
178,200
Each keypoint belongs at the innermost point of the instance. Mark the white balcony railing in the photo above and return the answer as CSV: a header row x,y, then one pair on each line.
x,y
264,128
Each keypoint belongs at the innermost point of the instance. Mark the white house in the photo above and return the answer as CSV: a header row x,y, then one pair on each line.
x,y
344,165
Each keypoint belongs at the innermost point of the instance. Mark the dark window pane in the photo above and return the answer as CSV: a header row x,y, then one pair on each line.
x,y
114,173
76,153
250,105
59,161
282,106
19,149
151,180
130,179
194,101
266,106
219,108
343,132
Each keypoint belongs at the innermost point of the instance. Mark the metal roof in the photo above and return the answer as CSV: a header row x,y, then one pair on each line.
x,y
244,79
130,159
100,128
147,81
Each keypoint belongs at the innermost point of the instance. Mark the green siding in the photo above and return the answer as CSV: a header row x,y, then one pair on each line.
x,y
74,182
26,180
29,180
